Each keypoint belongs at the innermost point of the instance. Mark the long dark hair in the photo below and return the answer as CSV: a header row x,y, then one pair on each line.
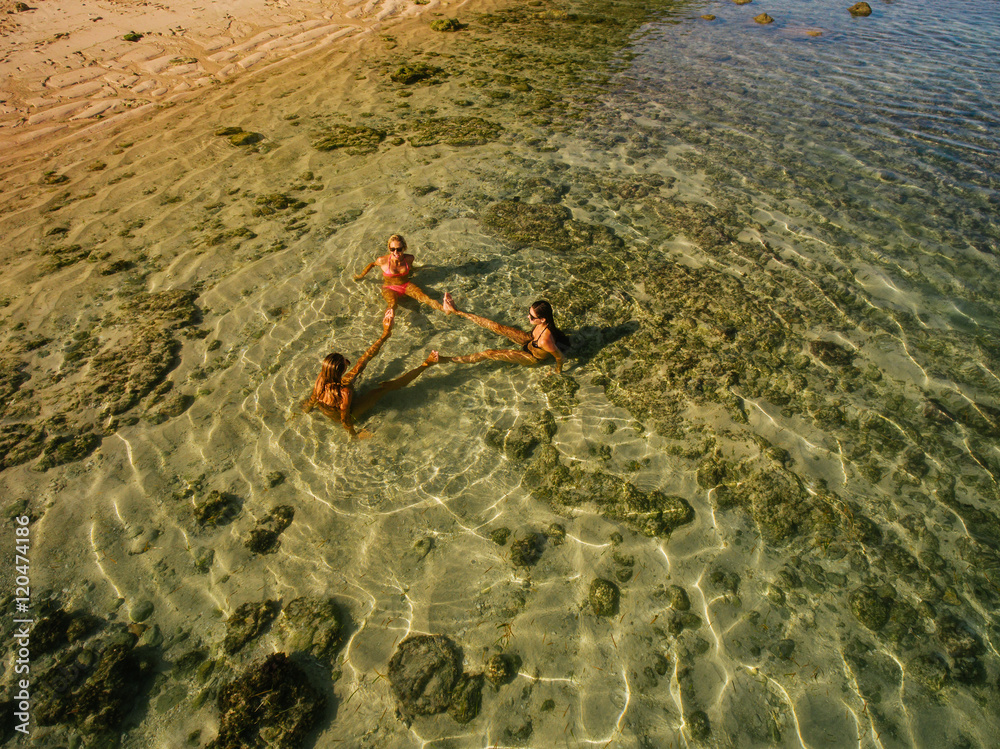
x,y
543,310
329,376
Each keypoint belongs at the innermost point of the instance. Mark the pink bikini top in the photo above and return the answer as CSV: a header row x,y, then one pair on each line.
x,y
400,273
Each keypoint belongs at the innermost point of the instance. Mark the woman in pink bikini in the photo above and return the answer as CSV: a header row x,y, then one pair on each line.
x,y
333,393
396,267
542,342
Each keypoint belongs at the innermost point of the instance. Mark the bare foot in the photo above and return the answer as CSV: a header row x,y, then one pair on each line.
x,y
364,434
432,359
449,303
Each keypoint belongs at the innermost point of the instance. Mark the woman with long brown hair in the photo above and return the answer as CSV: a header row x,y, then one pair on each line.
x,y
543,341
333,393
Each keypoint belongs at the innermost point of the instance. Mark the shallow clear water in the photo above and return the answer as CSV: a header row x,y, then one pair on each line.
x,y
741,194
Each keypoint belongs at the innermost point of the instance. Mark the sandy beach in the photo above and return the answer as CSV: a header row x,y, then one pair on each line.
x,y
67,68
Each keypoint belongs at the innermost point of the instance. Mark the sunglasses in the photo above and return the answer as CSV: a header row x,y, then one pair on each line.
x,y
396,249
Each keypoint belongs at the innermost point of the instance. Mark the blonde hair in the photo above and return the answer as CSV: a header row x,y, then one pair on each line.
x,y
397,237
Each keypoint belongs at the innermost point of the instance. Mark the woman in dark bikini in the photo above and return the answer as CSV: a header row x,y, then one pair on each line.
x,y
543,341
333,393
396,267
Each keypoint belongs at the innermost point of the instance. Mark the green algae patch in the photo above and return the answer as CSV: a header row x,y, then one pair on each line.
x,y
447,24
454,131
61,257
12,376
170,309
268,205
414,72
527,550
237,136
263,539
126,372
20,443
67,449
522,223
354,139
101,376
547,226
314,626
248,622
870,608
217,509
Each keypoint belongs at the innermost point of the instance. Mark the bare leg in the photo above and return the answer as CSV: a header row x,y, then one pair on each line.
x,y
514,334
370,398
415,292
507,355
391,298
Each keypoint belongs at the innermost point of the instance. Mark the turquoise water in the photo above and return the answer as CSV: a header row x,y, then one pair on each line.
x,y
777,435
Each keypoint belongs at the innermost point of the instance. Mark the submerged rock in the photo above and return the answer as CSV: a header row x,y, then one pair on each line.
x,y
870,608
763,18
238,136
94,689
20,443
270,704
217,508
499,536
776,501
466,698
524,552
930,669
699,725
313,626
831,353
860,9
248,622
502,668
423,672
56,628
603,597
678,599
547,226
541,225
121,375
264,538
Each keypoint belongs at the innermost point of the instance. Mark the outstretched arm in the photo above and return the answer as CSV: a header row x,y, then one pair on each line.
x,y
364,273
373,350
